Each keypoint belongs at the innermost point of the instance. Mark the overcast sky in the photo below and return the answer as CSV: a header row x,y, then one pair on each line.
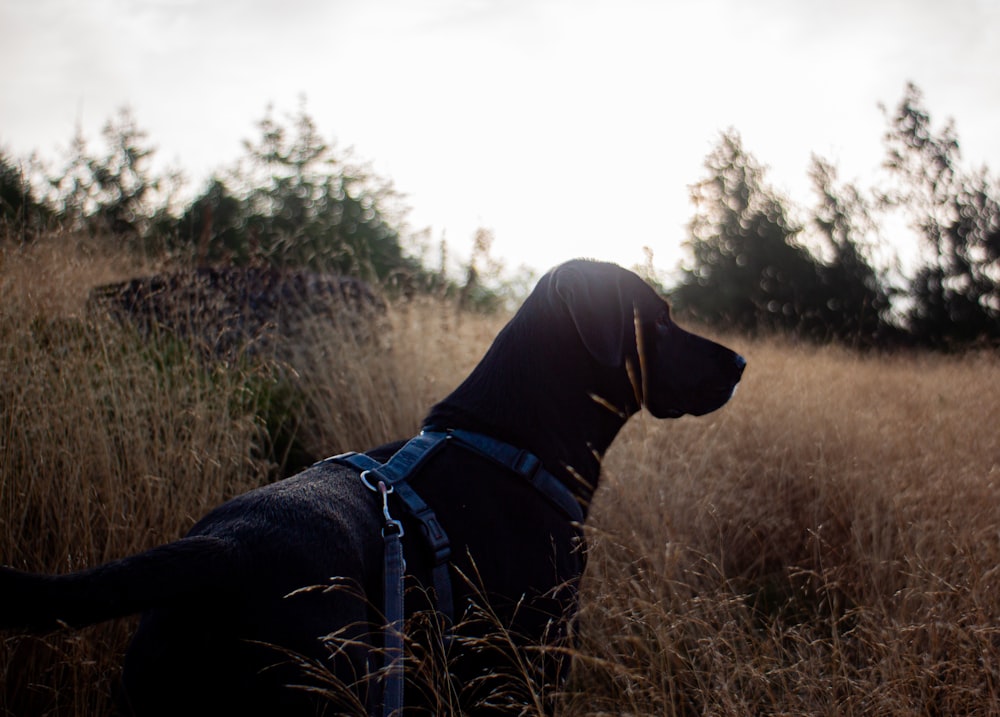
x,y
566,127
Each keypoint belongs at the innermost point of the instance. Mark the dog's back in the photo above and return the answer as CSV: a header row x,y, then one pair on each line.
x,y
221,624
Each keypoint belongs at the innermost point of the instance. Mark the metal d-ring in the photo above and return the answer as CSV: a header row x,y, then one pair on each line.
x,y
368,485
385,490
391,524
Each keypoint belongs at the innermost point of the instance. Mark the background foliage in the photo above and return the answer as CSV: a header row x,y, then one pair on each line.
x,y
757,261
756,266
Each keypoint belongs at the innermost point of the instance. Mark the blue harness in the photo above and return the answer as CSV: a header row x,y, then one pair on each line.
x,y
393,477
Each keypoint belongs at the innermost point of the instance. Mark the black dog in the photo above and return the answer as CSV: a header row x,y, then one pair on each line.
x,y
225,606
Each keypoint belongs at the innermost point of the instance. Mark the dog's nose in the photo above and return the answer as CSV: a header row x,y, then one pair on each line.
x,y
741,363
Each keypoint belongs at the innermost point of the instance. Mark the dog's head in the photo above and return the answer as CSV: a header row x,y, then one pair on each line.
x,y
625,325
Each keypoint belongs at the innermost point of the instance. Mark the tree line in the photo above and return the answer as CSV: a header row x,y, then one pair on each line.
x,y
756,261
760,263
291,199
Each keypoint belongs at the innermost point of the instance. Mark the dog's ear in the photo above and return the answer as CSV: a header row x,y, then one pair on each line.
x,y
594,301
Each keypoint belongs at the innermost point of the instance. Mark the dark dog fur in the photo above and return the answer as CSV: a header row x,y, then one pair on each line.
x,y
590,346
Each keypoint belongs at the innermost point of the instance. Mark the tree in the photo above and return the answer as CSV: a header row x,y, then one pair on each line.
x,y
22,216
748,271
307,206
213,227
293,200
956,293
858,297
114,193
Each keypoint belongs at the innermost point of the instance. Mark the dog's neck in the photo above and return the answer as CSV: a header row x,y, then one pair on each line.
x,y
532,391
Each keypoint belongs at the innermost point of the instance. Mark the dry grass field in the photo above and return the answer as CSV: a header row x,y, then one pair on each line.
x,y
827,544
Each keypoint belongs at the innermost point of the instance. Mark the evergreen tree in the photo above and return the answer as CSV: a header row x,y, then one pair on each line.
x,y
857,296
22,216
213,227
294,201
114,193
955,294
748,271
307,206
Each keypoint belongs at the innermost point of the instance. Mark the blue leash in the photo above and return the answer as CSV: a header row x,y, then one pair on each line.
x,y
395,567
392,477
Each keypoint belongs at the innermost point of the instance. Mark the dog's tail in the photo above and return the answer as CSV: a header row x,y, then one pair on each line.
x,y
165,574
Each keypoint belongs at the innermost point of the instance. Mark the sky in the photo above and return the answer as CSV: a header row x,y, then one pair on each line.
x,y
566,128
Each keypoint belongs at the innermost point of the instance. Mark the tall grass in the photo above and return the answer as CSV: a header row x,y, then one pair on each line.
x,y
828,543
107,446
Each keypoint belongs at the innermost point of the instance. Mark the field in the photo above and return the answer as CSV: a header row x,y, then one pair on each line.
x,y
826,544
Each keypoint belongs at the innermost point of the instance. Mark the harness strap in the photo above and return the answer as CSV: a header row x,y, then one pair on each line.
x,y
394,473
528,466
393,477
407,460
